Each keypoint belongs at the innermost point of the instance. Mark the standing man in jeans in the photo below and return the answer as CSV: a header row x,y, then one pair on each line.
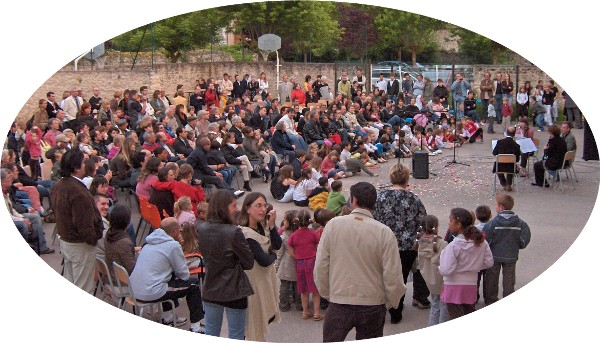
x,y
497,91
359,283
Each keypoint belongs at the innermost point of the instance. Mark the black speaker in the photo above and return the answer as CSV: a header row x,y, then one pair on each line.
x,y
421,165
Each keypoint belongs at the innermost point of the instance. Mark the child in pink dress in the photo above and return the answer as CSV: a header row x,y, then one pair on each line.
x,y
302,246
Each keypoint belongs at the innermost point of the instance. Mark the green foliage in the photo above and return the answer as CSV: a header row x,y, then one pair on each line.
x,y
404,30
309,25
481,49
175,35
326,31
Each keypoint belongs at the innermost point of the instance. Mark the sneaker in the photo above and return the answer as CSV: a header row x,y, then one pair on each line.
x,y
238,193
265,177
180,321
438,152
202,329
422,303
47,251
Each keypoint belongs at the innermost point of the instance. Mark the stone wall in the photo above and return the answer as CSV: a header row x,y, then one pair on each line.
x,y
168,75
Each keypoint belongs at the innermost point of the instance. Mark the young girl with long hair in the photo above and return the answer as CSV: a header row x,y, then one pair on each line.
x,y
184,211
285,265
461,261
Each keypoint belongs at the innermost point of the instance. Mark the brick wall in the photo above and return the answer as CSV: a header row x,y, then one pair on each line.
x,y
167,76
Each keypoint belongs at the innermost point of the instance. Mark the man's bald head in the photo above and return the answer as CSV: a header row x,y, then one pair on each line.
x,y
511,131
171,227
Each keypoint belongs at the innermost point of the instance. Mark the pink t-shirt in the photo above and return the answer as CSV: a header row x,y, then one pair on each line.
x,y
305,242
143,188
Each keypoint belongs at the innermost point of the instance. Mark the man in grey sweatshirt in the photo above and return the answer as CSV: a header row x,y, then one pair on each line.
x,y
161,273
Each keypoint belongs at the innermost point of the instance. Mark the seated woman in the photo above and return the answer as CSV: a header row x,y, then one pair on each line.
x,y
183,187
257,149
121,164
147,176
283,184
554,153
163,199
118,245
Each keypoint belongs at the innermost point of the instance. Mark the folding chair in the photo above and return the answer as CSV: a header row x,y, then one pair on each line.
x,y
553,175
536,142
107,287
123,281
506,158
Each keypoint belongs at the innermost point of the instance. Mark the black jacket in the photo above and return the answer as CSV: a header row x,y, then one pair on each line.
x,y
230,154
555,153
239,136
312,132
506,146
182,147
281,142
226,255
393,87
198,160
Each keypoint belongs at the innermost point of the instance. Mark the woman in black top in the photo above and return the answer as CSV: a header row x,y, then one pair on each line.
x,y
226,255
554,154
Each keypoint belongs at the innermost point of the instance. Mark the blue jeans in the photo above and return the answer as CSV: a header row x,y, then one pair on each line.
x,y
36,225
498,107
539,120
228,174
213,318
299,142
23,229
473,115
396,121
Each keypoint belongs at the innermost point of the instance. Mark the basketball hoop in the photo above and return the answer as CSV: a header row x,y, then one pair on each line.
x,y
267,44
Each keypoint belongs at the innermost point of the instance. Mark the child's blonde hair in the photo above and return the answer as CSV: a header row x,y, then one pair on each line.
x,y
182,204
202,210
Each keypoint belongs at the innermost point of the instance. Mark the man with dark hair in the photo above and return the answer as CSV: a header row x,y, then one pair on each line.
x,y
359,283
507,146
78,222
198,160
181,144
53,107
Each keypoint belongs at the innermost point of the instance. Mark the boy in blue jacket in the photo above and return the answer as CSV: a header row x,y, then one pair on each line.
x,y
506,234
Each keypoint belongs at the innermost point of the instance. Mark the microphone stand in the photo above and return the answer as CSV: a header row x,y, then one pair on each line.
x,y
454,151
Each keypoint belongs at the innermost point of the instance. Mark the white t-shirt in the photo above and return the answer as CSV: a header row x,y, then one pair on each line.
x,y
303,189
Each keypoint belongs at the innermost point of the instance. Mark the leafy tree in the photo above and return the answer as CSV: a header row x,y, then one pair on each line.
x,y
176,34
404,30
359,33
308,24
478,47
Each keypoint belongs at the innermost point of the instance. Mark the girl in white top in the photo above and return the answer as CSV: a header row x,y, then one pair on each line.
x,y
315,165
263,84
304,187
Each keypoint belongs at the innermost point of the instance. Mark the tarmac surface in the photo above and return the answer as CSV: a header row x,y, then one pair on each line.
x,y
555,218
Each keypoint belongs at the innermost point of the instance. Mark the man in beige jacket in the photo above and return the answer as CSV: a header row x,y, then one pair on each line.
x,y
358,270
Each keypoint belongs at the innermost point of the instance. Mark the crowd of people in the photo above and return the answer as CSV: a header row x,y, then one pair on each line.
x,y
172,152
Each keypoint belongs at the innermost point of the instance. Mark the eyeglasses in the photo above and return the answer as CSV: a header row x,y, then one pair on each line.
x,y
260,205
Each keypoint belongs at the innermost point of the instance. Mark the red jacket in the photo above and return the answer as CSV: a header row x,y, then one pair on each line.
x,y
506,110
300,95
181,189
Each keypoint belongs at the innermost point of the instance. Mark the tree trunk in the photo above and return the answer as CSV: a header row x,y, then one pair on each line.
x,y
305,57
414,57
399,53
494,58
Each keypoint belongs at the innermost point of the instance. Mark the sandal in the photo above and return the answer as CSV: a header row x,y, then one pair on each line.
x,y
318,317
306,315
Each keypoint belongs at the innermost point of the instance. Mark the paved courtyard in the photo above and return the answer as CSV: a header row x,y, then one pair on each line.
x,y
556,219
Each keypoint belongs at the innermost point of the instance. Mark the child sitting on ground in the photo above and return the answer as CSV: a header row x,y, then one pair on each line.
x,y
440,142
304,187
429,247
336,199
318,197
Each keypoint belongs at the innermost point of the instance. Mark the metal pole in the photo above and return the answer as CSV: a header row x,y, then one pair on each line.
x,y
277,71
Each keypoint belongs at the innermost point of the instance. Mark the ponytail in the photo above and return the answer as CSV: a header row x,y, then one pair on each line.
x,y
473,234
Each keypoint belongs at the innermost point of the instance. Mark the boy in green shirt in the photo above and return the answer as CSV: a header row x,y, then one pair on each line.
x,y
336,199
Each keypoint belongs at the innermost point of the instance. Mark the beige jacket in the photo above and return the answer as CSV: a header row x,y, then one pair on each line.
x,y
358,262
